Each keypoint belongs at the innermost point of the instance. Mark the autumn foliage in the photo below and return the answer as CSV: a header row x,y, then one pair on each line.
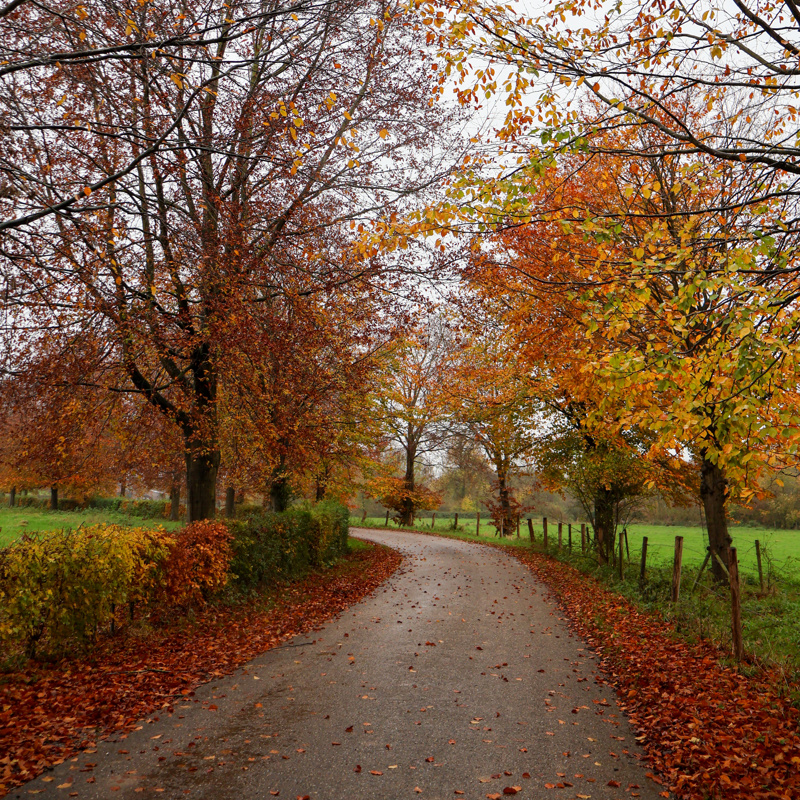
x,y
709,730
198,561
48,712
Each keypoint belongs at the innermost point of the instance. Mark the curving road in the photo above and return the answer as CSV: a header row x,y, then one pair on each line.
x,y
458,678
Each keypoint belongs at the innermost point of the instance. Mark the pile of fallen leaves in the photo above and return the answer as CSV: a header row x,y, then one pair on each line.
x,y
49,712
709,730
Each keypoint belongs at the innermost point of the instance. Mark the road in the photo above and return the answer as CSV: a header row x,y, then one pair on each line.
x,y
458,678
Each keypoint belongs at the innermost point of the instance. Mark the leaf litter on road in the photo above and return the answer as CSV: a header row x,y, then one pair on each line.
x,y
49,712
709,730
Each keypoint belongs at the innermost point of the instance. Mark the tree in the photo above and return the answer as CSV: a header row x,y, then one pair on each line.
x,y
489,394
226,176
49,56
413,411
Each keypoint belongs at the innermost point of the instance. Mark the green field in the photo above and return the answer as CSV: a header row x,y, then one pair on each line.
x,y
16,521
780,548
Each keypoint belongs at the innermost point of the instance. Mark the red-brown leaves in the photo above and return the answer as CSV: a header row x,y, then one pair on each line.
x,y
709,730
47,713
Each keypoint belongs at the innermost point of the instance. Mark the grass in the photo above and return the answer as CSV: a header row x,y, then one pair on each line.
x,y
16,521
780,550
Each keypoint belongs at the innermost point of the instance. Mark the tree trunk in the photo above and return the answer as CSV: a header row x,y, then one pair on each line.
x,y
406,510
12,497
507,521
122,488
54,498
714,494
230,499
280,494
175,502
603,523
201,482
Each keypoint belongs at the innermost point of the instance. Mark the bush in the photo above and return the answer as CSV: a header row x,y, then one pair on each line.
x,y
145,509
32,502
64,586
105,503
332,522
269,547
198,562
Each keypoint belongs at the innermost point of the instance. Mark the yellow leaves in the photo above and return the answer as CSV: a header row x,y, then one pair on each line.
x,y
384,134
177,79
347,116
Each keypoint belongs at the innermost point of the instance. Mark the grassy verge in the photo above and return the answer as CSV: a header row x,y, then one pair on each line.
x,y
16,521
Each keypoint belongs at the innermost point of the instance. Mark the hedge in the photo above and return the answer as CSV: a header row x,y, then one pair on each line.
x,y
269,547
59,589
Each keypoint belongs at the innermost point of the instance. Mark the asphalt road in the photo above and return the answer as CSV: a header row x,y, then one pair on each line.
x,y
457,679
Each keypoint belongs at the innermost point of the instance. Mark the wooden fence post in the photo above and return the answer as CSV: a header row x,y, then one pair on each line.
x,y
455,524
736,606
530,529
387,518
676,569
517,526
433,520
477,523
364,517
644,562
583,537
621,559
760,570
559,535
627,546
569,536
544,528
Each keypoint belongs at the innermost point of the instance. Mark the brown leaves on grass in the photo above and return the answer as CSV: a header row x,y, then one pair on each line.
x,y
49,712
709,730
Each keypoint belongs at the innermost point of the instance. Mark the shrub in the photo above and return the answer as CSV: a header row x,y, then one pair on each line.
x,y
198,561
32,502
145,509
332,521
105,503
63,586
269,547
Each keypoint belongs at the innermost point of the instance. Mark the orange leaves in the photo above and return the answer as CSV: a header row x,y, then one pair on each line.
x,y
198,561
709,730
128,678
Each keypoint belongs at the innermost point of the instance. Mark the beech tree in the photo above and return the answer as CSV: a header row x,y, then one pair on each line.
x,y
490,396
413,412
261,155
